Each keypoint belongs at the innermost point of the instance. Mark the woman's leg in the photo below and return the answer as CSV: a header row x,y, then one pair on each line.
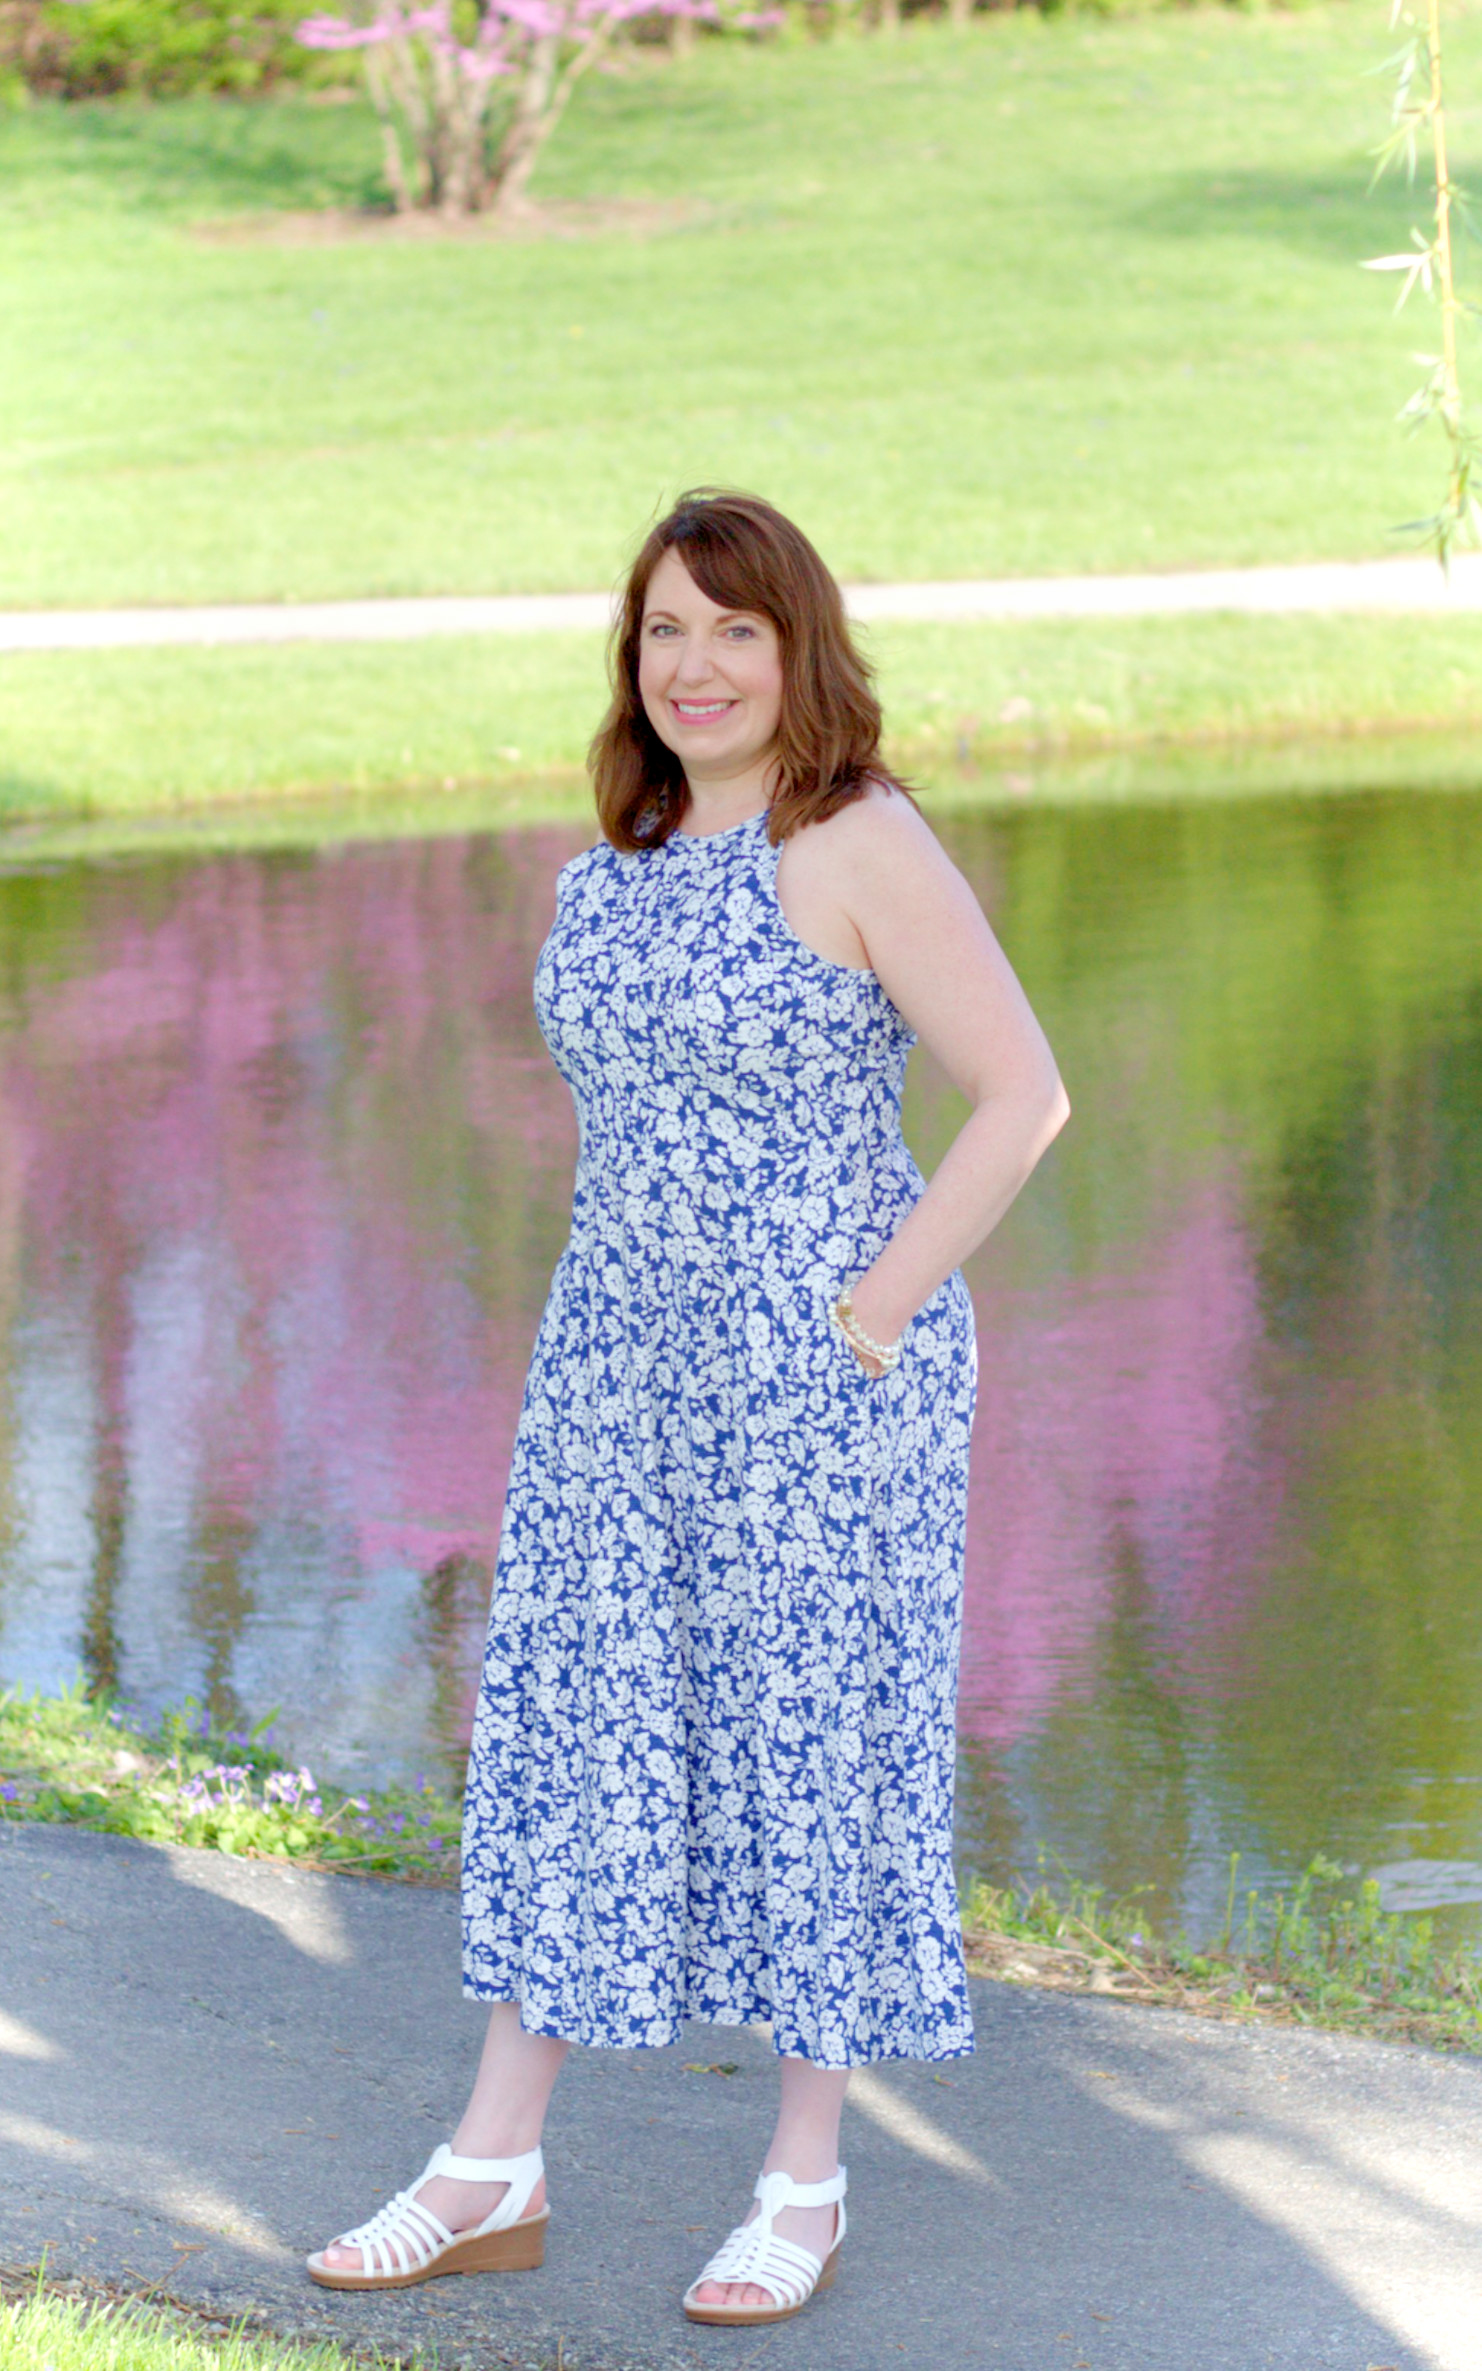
x,y
806,2145
504,2118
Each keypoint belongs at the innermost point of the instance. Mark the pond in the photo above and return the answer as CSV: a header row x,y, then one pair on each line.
x,y
284,1171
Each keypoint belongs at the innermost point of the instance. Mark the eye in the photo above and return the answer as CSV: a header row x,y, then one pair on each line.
x,y
741,633
660,626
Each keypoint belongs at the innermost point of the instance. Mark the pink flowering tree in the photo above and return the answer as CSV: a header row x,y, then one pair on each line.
x,y
469,91
431,90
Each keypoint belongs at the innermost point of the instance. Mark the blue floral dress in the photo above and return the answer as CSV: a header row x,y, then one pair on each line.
x,y
712,1763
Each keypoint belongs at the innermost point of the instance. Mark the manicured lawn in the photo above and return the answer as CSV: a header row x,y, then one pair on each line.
x,y
1025,297
467,731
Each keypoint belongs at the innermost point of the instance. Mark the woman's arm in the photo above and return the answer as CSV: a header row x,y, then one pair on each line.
x,y
873,885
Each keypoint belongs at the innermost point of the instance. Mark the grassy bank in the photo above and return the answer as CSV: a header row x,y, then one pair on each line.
x,y
1018,297
82,1762
1326,765
494,729
1321,1955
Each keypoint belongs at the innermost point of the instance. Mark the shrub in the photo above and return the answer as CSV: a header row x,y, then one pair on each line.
x,y
165,48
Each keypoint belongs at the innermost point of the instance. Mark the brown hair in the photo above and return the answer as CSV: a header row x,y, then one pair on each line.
x,y
744,555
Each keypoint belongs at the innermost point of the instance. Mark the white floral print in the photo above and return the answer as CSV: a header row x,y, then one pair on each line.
x,y
712,1763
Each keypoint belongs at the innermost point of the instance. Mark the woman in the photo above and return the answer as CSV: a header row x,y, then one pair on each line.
x,y
711,1770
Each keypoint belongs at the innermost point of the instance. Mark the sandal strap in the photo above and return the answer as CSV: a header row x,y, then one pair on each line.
x,y
778,2190
521,2173
402,2236
485,2169
787,2272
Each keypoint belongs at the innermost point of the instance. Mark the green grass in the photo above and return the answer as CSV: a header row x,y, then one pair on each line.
x,y
469,732
1024,297
131,731
79,1760
1322,1954
44,2330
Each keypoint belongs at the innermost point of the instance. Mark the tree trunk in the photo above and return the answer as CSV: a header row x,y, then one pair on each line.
x,y
681,35
393,164
542,104
960,11
528,131
445,157
404,84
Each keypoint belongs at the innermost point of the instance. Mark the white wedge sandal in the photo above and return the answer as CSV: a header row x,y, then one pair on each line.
x,y
756,2255
406,2243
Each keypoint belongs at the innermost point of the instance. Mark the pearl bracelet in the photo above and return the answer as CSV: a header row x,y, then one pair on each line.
x,y
888,1353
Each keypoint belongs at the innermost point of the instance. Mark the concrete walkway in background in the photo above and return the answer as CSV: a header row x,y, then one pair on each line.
x,y
1329,585
209,2066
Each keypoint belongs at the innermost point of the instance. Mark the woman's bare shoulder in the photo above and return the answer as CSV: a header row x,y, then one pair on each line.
x,y
872,835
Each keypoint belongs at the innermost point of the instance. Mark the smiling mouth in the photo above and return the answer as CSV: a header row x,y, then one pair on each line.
x,y
701,711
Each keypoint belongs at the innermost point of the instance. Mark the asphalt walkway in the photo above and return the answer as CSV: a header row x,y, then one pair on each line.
x,y
1331,585
208,2066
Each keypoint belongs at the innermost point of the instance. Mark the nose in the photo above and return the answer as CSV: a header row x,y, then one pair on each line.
x,y
694,661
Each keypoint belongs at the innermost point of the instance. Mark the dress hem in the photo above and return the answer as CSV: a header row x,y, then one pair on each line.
x,y
784,2044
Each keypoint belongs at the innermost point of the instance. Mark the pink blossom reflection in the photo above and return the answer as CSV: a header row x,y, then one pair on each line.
x,y
1117,1416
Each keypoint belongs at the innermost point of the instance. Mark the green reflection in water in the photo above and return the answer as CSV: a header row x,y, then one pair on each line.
x,y
1281,1006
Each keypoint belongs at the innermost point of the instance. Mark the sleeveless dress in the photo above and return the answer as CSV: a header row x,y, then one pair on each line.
x,y
712,1763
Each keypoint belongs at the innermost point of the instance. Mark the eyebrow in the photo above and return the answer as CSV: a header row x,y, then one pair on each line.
x,y
651,615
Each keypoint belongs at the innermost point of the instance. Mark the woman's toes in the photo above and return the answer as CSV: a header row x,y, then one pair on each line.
x,y
725,2292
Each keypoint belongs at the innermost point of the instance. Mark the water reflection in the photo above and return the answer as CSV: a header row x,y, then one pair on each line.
x,y
284,1170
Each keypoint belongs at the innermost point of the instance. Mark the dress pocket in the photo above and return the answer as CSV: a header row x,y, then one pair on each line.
x,y
852,1362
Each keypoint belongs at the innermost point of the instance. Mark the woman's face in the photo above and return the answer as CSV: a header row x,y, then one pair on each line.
x,y
710,679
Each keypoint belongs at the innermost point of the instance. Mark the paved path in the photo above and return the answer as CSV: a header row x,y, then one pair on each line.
x,y
1334,585
208,2066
